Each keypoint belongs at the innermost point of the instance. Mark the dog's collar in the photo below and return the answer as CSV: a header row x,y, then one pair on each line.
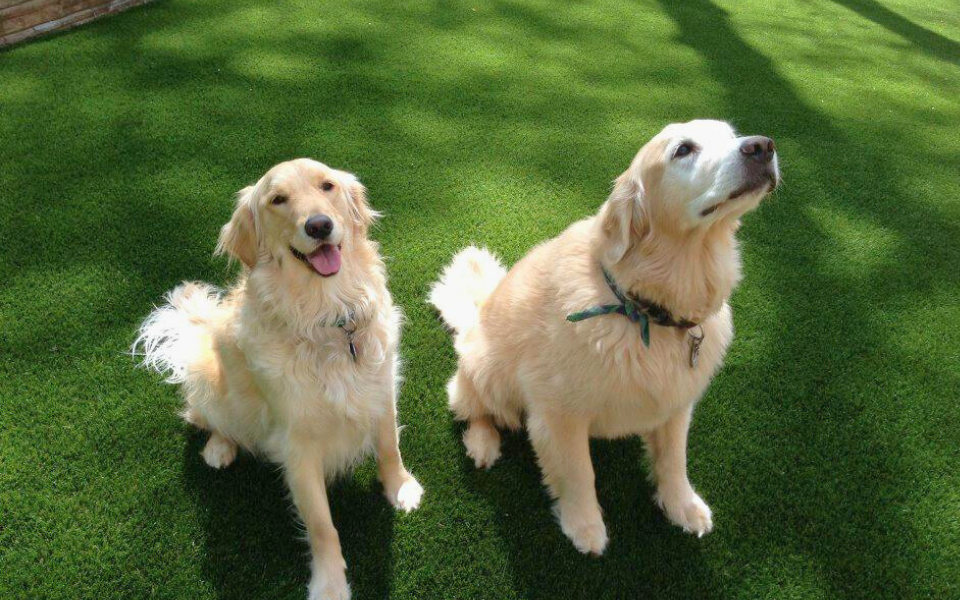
x,y
639,310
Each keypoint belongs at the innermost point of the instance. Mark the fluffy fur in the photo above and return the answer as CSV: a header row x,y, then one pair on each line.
x,y
265,366
666,233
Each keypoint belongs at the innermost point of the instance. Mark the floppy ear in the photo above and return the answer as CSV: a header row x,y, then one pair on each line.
x,y
363,215
621,218
238,238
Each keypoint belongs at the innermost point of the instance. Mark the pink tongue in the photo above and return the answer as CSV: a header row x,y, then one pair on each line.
x,y
326,260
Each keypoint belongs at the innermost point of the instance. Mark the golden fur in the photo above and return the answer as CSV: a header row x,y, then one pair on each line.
x,y
266,368
666,233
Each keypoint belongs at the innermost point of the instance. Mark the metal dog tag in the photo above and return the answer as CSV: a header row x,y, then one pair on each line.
x,y
695,341
349,329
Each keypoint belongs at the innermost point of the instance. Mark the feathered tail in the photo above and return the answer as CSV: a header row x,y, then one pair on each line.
x,y
177,334
464,285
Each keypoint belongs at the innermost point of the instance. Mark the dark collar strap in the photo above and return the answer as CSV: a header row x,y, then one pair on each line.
x,y
657,312
638,310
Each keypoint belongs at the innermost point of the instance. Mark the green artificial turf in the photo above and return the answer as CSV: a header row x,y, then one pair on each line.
x,y
827,446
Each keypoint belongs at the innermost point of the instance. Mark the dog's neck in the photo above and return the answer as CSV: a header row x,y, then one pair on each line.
x,y
690,274
308,304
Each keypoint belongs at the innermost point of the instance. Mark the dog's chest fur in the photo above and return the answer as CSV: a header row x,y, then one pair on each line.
x,y
598,367
313,388
631,386
638,388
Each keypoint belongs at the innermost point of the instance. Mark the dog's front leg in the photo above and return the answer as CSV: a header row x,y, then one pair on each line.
x,y
667,447
305,477
399,486
562,444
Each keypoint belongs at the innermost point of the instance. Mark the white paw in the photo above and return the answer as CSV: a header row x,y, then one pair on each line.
x,y
589,535
195,418
219,451
483,445
690,512
331,586
408,496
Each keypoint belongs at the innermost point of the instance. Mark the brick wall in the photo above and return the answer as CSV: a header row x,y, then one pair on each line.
x,y
24,19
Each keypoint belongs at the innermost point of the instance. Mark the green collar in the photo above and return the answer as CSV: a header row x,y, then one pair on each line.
x,y
638,310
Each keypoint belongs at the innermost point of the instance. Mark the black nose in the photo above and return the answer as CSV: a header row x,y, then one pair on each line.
x,y
759,148
318,226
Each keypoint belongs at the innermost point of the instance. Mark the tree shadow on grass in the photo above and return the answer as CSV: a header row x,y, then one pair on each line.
x,y
255,546
140,228
829,334
927,41
133,248
818,475
646,555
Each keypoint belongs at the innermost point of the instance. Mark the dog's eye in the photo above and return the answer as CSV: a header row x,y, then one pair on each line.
x,y
326,186
278,200
683,150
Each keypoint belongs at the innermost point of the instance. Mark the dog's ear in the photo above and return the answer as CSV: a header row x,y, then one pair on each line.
x,y
622,218
238,238
363,215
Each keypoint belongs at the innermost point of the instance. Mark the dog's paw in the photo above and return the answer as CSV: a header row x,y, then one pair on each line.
x,y
219,451
329,586
195,418
407,498
689,512
483,444
588,535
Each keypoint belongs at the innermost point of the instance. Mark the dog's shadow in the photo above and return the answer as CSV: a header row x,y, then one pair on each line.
x,y
644,552
254,544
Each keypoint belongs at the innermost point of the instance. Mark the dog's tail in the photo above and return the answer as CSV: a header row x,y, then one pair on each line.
x,y
464,285
176,335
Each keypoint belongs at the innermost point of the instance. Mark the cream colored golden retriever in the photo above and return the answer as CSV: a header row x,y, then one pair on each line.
x,y
298,361
615,327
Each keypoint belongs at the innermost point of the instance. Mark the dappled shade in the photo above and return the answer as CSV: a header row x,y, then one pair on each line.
x,y
826,446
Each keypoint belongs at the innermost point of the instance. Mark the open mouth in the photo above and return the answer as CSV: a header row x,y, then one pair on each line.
x,y
767,181
325,260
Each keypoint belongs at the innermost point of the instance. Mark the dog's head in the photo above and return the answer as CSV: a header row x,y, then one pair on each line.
x,y
302,209
689,177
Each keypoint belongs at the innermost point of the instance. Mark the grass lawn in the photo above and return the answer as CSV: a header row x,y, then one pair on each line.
x,y
827,446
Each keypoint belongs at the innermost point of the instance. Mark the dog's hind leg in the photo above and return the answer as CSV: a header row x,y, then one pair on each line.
x,y
482,441
220,451
481,438
203,391
193,416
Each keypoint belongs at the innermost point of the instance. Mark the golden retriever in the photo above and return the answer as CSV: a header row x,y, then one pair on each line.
x,y
554,342
298,361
